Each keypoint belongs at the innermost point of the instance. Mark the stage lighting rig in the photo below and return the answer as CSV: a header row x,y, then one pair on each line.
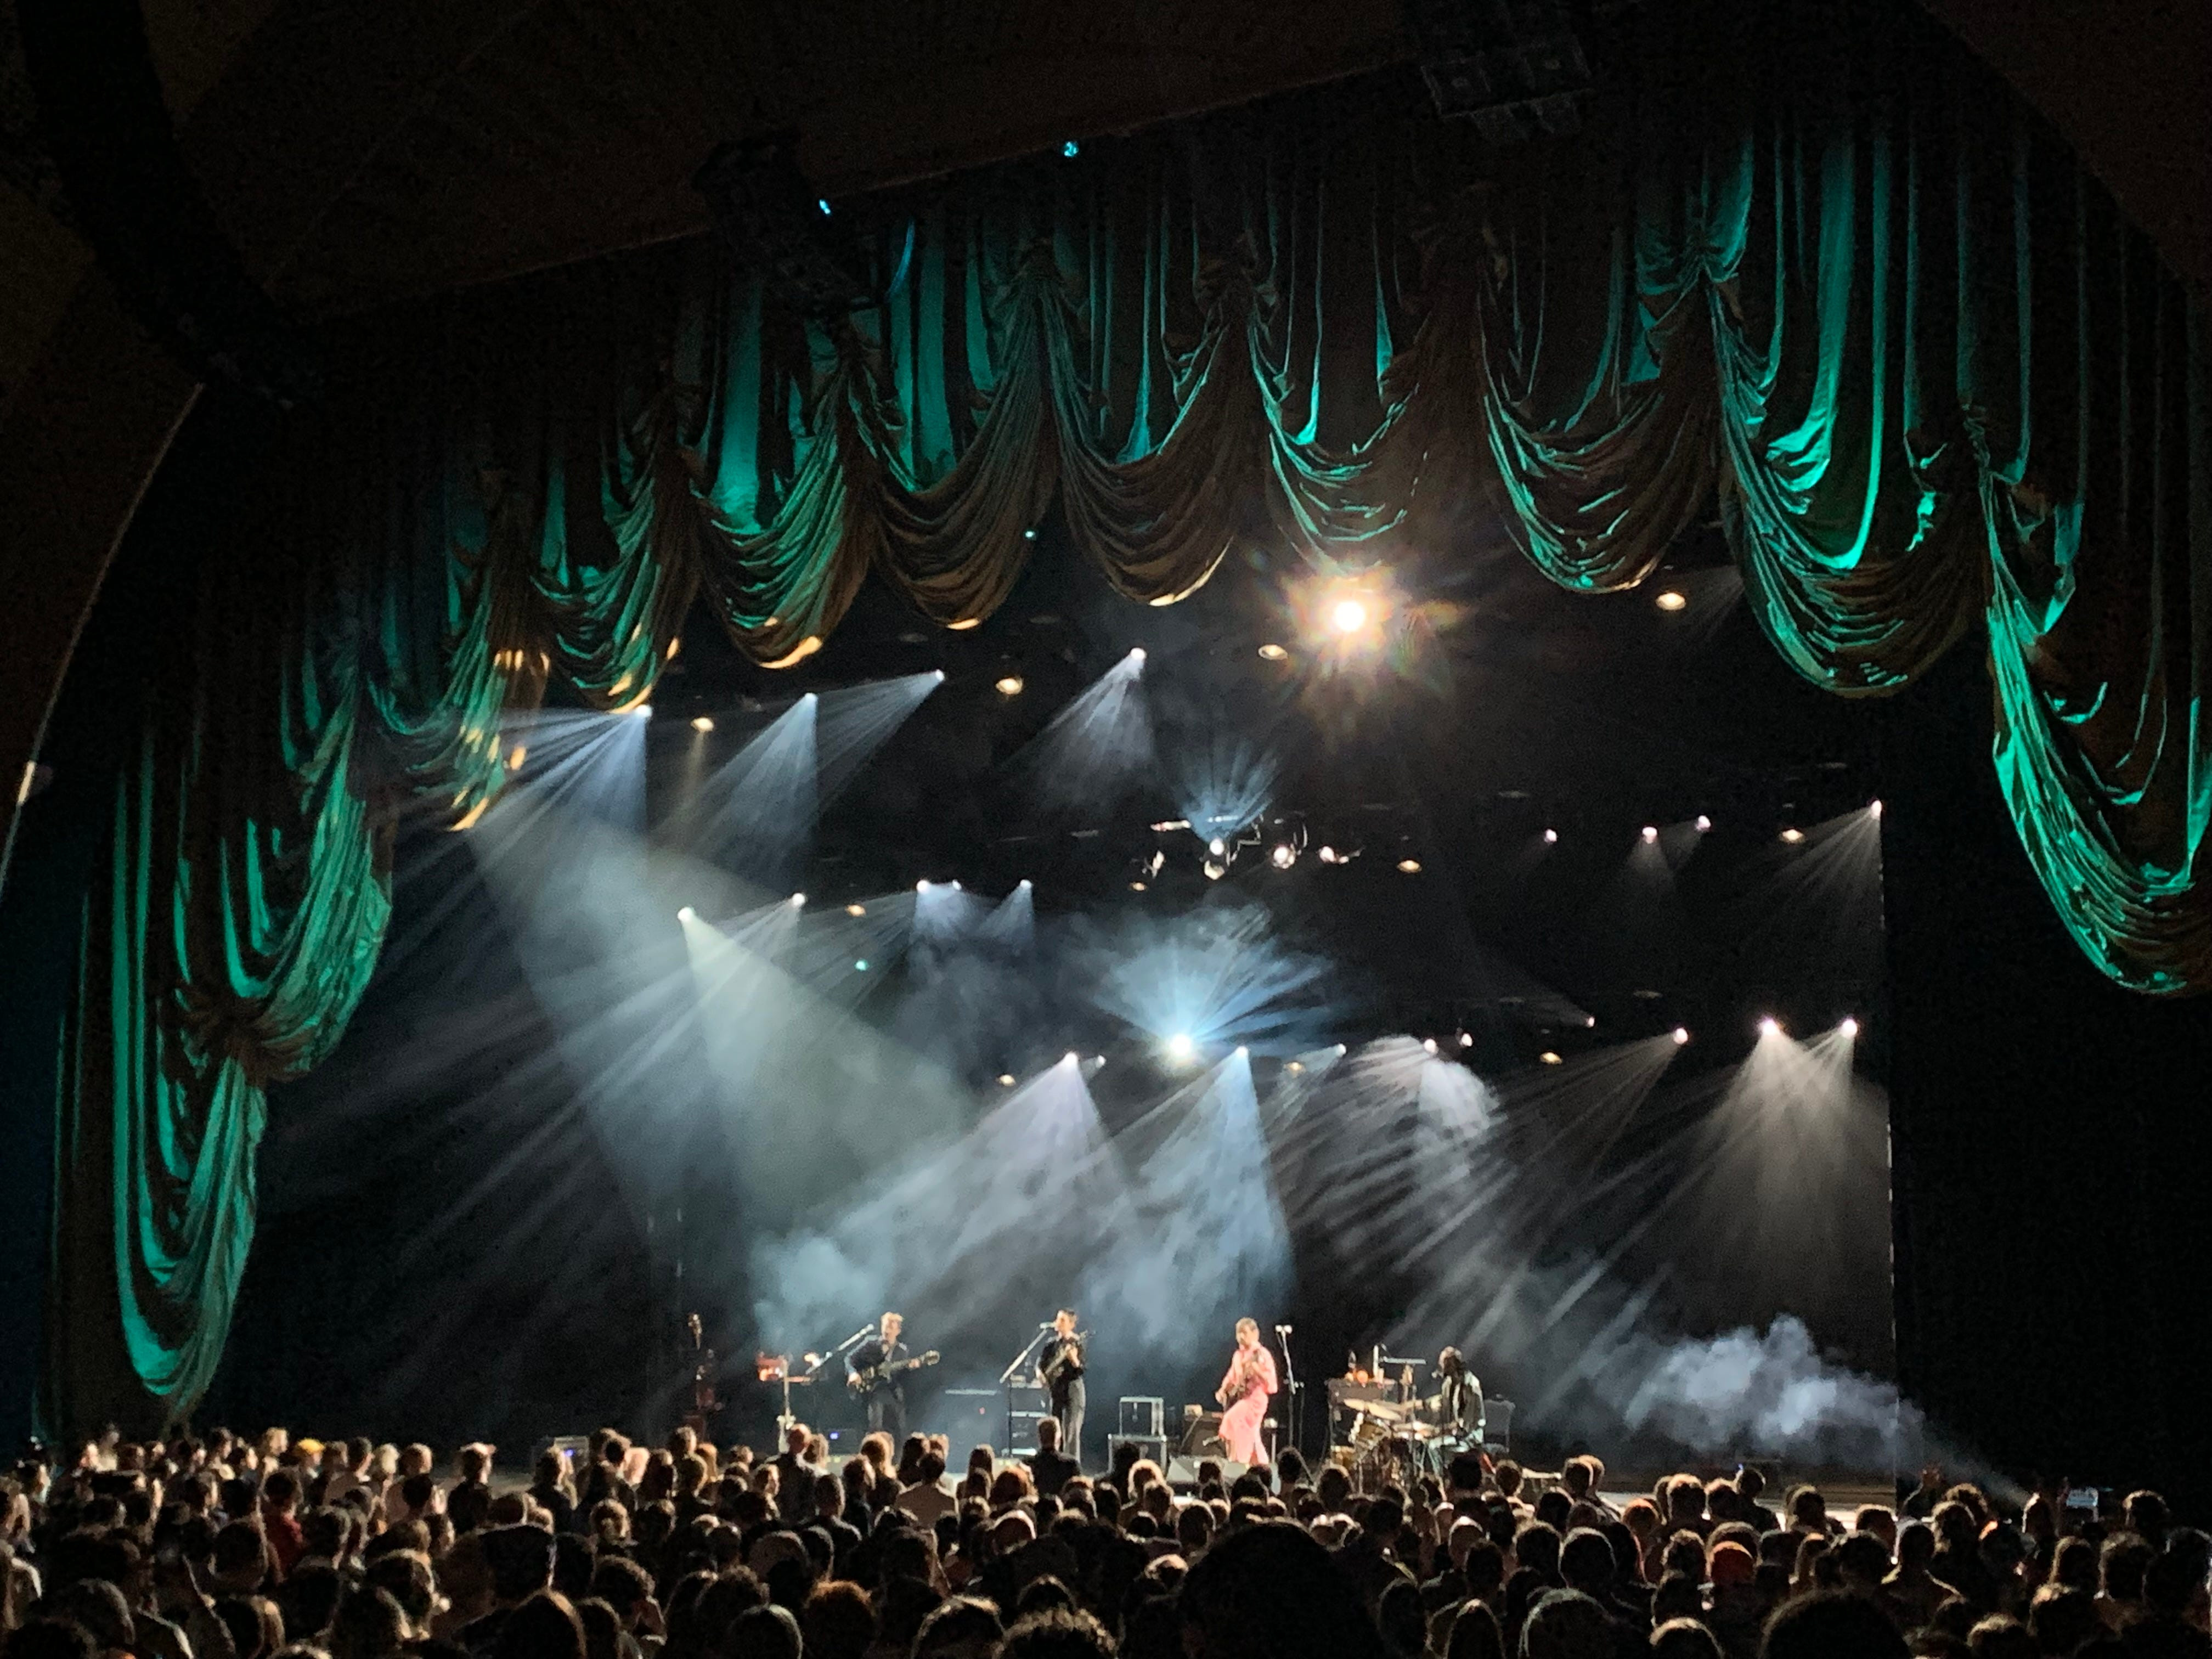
x,y
1514,68
779,226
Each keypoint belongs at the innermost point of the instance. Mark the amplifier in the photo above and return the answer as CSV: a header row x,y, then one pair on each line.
x,y
1141,1416
1147,1445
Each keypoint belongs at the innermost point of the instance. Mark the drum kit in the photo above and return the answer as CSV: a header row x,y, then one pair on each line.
x,y
1387,1443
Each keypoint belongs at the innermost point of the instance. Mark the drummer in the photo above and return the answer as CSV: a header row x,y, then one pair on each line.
x,y
1455,1408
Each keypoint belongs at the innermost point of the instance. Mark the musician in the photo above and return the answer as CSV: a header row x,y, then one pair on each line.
x,y
883,1356
1244,1393
1060,1371
1456,1407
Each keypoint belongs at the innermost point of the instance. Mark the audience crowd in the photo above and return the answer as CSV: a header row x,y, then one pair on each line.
x,y
218,1547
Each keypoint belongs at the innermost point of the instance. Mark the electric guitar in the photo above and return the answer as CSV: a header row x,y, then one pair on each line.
x,y
868,1379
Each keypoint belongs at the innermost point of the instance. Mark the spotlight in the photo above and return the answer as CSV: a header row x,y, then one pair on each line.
x,y
1548,1058
823,202
1136,653
1071,149
643,711
1348,616
1329,855
1409,866
1070,1059
1429,1044
1009,685
1589,1021
687,914
1181,1048
1217,847
1273,653
1670,600
1023,882
1284,856
812,696
1650,834
1551,838
1850,1028
921,887
798,900
1005,1079
1215,869
1467,1039
1295,1068
1340,1050
516,757
1793,834
1703,823
1243,1052
1681,1035
702,723
856,909
1029,535
939,676
956,885
1874,809
1136,886
861,965
1769,1026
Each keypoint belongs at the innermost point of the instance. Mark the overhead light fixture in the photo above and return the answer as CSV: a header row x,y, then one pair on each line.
x,y
1005,1079
643,711
1850,1028
1670,600
1549,1058
1348,616
516,757
1217,847
1793,834
702,723
921,887
1136,653
1181,1048
1273,653
1551,838
1029,535
856,909
1769,1026
1023,882
1681,1035
861,965
1410,866
687,914
1650,834
1874,809
1467,1039
1136,886
1329,855
1703,823
1071,149
1284,856
1295,1068
1071,1057
1589,1021
1009,685
798,900
1429,1044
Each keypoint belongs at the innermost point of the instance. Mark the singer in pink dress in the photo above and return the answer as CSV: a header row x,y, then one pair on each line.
x,y
1244,1391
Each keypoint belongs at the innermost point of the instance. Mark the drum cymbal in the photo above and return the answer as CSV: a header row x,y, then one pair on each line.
x,y
1377,1408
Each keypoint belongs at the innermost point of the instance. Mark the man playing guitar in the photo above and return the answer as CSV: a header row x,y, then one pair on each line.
x,y
877,1370
1060,1370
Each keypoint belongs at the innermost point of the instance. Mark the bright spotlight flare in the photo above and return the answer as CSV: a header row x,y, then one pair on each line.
x,y
1348,615
1769,1026
1181,1049
1850,1028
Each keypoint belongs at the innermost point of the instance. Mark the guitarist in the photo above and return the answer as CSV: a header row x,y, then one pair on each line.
x,y
878,1368
1059,1368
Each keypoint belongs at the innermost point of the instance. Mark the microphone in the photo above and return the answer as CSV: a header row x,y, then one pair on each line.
x,y
1282,1330
1045,1324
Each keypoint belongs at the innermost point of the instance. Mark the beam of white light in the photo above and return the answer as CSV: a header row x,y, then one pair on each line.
x,y
1813,911
1223,782
1218,977
1010,926
756,811
853,721
589,765
1095,748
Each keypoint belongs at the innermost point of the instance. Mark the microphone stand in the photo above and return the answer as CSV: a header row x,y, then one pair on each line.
x,y
1007,1377
1291,1385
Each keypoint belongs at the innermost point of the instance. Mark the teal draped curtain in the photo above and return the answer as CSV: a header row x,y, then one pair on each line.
x,y
1826,281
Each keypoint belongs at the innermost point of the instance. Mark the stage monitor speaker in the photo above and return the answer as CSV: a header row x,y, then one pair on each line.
x,y
1182,1472
574,1447
1148,1445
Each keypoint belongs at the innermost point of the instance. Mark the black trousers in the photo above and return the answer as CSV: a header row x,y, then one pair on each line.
x,y
1067,1405
887,1415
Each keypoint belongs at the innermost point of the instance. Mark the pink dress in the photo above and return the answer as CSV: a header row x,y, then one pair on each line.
x,y
1250,1379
